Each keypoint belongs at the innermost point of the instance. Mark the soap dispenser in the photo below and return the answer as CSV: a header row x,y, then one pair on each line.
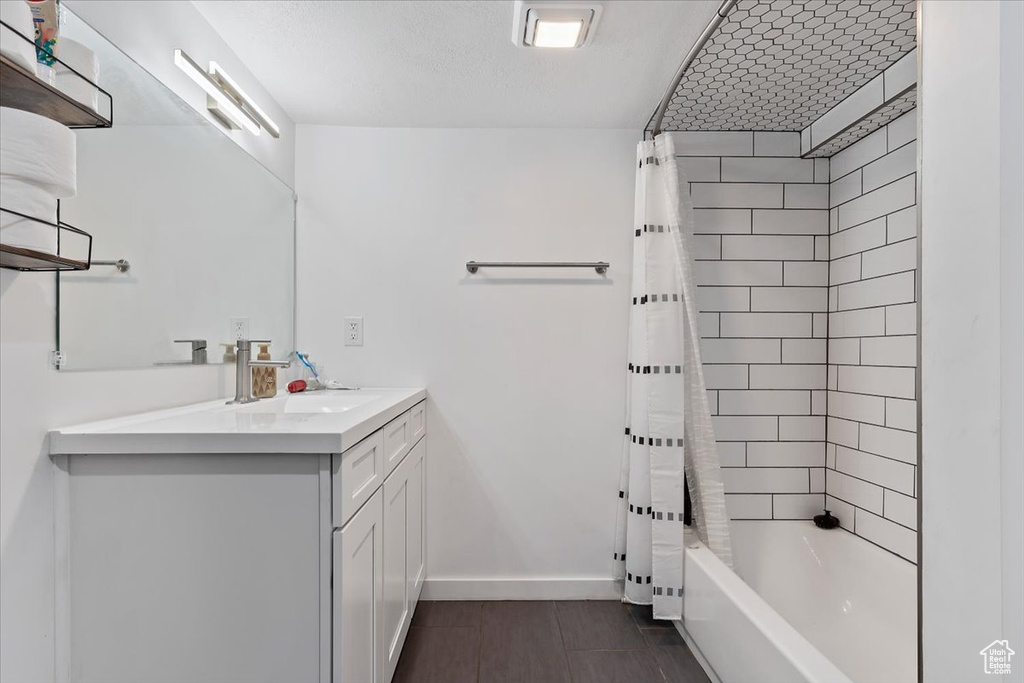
x,y
264,379
229,353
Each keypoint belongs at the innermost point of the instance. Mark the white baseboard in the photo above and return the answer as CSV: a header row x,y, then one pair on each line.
x,y
522,589
698,655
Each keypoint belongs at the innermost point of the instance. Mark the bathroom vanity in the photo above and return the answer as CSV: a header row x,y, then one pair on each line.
x,y
282,540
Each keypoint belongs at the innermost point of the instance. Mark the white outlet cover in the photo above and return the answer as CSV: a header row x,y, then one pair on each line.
x,y
353,331
238,328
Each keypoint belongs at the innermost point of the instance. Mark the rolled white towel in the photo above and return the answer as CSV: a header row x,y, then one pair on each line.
x,y
17,14
27,198
39,150
84,61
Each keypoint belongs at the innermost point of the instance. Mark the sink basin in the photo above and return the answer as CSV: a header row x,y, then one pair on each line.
x,y
321,402
333,402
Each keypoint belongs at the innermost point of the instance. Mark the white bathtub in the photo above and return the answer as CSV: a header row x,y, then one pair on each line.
x,y
812,605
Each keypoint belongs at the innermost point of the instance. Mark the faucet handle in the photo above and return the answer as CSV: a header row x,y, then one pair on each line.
x,y
243,344
198,349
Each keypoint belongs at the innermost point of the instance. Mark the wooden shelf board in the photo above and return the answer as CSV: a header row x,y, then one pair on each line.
x,y
21,89
19,258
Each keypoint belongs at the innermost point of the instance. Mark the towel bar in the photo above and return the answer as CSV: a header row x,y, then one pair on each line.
x,y
121,264
600,266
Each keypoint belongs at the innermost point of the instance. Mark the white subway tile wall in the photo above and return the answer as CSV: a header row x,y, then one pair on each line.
x,y
871,450
762,269
807,291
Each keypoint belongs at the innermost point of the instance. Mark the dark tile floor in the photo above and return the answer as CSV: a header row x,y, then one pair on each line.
x,y
543,642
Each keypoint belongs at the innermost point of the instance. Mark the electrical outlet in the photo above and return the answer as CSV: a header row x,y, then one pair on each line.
x,y
239,328
354,331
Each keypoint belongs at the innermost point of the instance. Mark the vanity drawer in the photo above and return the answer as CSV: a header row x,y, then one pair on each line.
x,y
418,421
355,475
397,441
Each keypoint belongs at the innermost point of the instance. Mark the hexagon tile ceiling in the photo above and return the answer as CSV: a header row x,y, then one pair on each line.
x,y
778,65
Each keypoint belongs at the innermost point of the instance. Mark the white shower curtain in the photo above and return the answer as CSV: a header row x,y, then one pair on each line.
x,y
668,419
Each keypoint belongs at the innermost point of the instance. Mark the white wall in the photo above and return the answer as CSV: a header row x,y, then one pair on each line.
x,y
970,402
150,30
35,398
1011,236
525,369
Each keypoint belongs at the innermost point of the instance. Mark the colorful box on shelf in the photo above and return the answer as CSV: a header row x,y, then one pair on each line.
x,y
68,101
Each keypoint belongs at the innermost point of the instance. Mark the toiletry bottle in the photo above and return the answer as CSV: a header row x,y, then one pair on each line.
x,y
229,353
46,19
264,380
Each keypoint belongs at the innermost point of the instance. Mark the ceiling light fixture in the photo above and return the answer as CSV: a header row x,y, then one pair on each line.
x,y
544,23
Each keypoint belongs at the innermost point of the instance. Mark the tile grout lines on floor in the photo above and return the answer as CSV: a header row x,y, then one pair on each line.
x,y
541,642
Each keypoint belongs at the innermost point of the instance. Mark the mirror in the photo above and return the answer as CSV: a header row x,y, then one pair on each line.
x,y
208,231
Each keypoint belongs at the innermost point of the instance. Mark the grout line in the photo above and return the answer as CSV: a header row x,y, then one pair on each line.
x,y
480,649
561,636
873,483
870,424
876,189
864,509
868,163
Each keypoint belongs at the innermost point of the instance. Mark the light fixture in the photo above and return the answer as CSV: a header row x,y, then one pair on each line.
x,y
225,101
547,23
233,89
556,33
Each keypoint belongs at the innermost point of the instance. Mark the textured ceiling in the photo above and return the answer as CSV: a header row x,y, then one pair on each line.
x,y
780,64
453,64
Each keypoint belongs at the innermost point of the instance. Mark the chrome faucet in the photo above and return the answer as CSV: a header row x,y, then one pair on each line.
x,y
198,349
243,369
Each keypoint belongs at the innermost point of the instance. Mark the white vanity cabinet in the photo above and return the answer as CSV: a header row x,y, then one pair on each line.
x,y
379,556
359,594
278,541
403,552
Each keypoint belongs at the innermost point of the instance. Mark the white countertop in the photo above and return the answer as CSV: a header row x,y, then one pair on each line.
x,y
313,422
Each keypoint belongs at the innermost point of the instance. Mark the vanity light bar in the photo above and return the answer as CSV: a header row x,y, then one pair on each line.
x,y
225,105
233,89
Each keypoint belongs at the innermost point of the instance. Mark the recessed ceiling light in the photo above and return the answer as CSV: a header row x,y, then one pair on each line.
x,y
556,33
543,23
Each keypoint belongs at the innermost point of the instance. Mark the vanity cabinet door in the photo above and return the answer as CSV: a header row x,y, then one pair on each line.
x,y
417,551
358,596
403,552
398,500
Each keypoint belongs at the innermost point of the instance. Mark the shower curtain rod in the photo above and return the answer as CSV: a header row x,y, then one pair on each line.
x,y
712,26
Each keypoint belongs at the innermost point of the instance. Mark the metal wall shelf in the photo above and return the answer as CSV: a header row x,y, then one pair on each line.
x,y
32,260
22,89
